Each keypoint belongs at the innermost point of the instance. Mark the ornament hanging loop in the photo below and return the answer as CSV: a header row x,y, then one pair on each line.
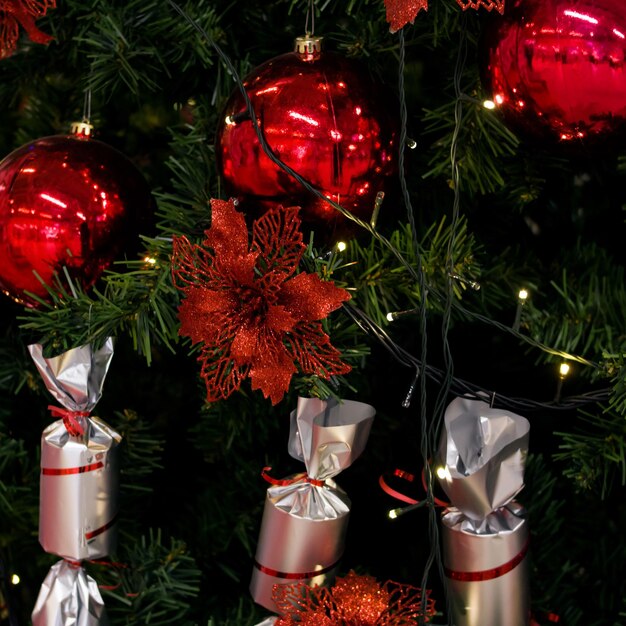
x,y
87,106
310,12
84,128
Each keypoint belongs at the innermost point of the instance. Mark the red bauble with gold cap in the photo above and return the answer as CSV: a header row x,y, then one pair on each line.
x,y
556,69
322,115
66,201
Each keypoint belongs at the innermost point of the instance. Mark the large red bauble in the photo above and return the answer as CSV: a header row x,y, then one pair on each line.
x,y
66,201
557,68
324,117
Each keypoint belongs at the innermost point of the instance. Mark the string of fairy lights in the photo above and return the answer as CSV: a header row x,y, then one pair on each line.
x,y
368,325
445,378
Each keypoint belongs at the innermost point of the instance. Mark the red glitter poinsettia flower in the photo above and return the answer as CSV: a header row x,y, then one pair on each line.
x,y
401,12
353,601
16,13
254,316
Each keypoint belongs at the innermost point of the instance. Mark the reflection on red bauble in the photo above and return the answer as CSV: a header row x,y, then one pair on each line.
x,y
557,68
66,201
324,117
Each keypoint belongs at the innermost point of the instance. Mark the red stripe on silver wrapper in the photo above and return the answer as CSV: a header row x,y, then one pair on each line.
x,y
492,550
69,596
67,471
79,490
294,575
298,542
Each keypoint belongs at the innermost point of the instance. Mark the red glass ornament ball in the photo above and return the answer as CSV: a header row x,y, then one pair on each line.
x,y
324,117
557,68
66,201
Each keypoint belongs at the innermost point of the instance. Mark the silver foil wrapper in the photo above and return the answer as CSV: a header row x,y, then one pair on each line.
x,y
486,566
305,520
79,472
78,490
483,454
69,597
268,621
75,378
327,435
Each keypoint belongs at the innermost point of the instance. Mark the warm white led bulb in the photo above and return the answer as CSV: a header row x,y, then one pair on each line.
x,y
341,246
443,473
489,104
564,370
522,295
15,579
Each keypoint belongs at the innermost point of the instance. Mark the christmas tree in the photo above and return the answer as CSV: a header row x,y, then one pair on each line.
x,y
476,254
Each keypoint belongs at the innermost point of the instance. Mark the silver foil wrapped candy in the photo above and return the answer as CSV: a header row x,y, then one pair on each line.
x,y
481,461
79,467
78,486
305,517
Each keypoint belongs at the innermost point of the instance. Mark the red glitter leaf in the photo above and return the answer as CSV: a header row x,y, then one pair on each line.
x,y
277,239
487,4
272,375
353,600
228,238
401,12
9,33
204,317
310,347
15,13
310,297
254,318
193,264
221,375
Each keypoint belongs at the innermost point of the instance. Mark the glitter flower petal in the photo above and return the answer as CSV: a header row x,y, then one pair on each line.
x,y
401,12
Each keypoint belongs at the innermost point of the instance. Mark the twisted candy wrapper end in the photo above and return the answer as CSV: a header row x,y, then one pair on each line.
x,y
327,435
484,454
69,597
75,378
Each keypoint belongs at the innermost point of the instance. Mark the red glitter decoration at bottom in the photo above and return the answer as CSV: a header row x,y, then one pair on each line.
x,y
352,601
498,5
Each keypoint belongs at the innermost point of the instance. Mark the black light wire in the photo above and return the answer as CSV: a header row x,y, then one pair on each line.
x,y
403,133
445,378
462,387
434,554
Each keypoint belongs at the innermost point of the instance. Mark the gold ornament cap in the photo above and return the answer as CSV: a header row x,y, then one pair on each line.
x,y
309,47
82,129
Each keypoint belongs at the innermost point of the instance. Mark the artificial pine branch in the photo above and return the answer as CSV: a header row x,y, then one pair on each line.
x,y
154,583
